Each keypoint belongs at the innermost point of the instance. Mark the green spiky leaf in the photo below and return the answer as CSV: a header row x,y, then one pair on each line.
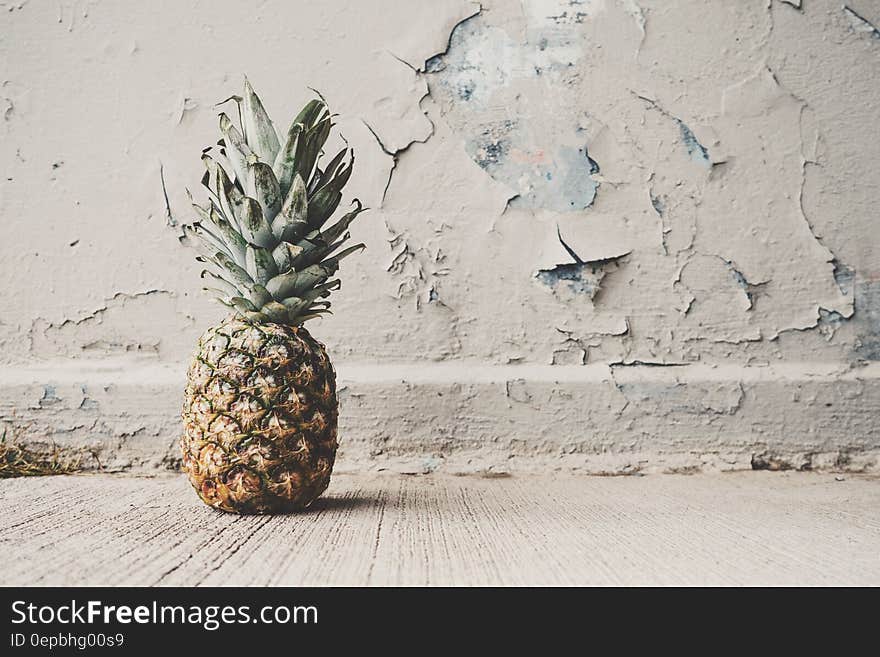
x,y
276,311
292,221
330,170
336,230
258,295
309,114
261,230
227,267
259,263
238,152
242,305
254,227
225,286
284,254
231,237
259,131
307,154
322,206
285,164
263,186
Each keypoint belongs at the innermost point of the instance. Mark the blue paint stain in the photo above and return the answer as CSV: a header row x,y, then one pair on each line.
x,y
576,169
539,159
694,148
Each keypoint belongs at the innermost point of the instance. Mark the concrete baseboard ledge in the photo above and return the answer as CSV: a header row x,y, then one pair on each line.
x,y
608,418
138,370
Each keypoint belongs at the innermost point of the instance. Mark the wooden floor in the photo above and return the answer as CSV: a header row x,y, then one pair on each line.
x,y
746,528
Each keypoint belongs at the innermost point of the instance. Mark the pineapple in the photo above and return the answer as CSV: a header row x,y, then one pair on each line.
x,y
260,406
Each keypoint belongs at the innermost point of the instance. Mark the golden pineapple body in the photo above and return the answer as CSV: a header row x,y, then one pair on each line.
x,y
260,415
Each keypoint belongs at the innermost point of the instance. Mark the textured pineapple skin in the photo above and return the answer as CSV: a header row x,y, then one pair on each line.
x,y
260,416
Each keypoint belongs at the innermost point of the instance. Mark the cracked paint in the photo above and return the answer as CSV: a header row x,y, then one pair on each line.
x,y
126,323
629,187
417,269
577,114
581,277
860,23
695,149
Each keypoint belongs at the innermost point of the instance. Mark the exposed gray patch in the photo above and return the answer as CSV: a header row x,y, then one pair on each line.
x,y
843,276
678,398
828,323
659,205
581,277
578,278
860,23
564,184
491,148
867,317
87,403
541,155
50,396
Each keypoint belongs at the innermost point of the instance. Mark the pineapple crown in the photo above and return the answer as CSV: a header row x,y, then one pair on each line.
x,y
262,235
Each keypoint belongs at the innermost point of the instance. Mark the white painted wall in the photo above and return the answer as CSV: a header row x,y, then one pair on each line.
x,y
724,224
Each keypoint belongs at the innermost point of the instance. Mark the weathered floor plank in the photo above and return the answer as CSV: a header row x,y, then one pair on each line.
x,y
745,528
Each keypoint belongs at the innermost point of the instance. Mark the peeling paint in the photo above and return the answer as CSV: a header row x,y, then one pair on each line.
x,y
49,397
860,23
126,323
482,81
417,270
695,149
577,278
714,185
752,290
581,277
867,315
844,277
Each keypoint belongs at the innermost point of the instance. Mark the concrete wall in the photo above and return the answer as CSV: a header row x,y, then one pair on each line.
x,y
606,235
